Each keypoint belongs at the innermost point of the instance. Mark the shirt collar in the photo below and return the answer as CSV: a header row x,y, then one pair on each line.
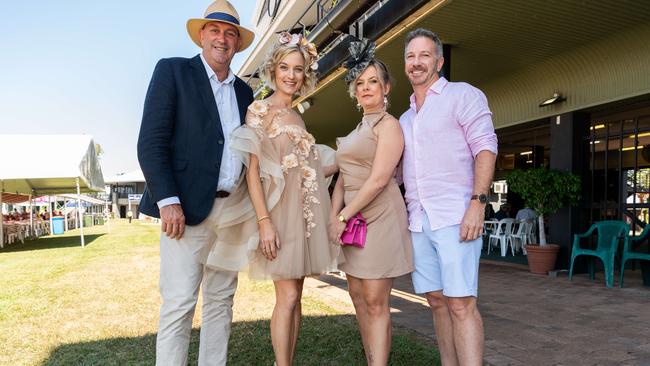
x,y
435,88
212,75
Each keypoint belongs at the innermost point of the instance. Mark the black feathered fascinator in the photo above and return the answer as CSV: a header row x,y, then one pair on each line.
x,y
362,51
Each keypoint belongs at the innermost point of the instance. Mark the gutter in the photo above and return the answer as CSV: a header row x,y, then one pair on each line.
x,y
343,14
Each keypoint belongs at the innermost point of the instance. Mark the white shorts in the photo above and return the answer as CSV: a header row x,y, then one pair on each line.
x,y
443,262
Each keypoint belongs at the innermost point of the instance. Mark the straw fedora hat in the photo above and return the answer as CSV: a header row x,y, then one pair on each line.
x,y
220,11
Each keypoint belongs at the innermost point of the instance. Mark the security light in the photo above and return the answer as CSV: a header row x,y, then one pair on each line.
x,y
556,98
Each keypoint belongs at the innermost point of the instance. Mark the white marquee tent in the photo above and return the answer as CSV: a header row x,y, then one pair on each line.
x,y
38,165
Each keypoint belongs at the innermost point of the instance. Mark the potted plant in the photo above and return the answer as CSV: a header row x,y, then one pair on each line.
x,y
545,191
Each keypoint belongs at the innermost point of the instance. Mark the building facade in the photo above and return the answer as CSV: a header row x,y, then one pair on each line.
x,y
568,83
125,191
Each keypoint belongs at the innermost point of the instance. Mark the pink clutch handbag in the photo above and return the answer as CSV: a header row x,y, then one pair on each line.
x,y
355,231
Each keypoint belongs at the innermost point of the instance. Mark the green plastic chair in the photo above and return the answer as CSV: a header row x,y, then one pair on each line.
x,y
628,254
609,234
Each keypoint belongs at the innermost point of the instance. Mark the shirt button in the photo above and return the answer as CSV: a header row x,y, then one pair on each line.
x,y
220,142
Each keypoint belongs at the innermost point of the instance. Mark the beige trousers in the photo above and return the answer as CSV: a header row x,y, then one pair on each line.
x,y
181,275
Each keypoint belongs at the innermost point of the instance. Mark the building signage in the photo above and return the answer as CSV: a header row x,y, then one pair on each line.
x,y
135,197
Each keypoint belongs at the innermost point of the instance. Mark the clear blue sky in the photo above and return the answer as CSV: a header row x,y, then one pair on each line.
x,y
83,67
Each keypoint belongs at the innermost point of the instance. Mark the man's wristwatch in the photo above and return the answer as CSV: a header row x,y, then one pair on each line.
x,y
482,198
342,218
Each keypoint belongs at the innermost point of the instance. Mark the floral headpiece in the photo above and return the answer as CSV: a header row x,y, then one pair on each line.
x,y
303,43
362,51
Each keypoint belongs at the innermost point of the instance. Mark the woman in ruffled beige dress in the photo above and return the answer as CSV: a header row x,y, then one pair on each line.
x,y
367,158
287,189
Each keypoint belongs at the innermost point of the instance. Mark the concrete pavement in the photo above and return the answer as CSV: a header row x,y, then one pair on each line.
x,y
535,320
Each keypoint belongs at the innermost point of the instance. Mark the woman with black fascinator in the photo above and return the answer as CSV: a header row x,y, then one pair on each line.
x,y
367,193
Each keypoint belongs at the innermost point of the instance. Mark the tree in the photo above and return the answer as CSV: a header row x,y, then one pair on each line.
x,y
99,151
545,191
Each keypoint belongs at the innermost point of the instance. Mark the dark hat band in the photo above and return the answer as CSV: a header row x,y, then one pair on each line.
x,y
223,17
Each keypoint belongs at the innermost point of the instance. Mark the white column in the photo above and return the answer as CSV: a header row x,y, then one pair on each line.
x,y
81,223
51,211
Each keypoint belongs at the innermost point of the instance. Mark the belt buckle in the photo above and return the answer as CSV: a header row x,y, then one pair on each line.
x,y
222,194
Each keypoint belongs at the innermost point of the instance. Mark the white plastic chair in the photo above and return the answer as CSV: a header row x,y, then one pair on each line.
x,y
531,236
520,237
502,236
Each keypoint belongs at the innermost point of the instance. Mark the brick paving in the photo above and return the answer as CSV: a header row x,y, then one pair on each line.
x,y
535,320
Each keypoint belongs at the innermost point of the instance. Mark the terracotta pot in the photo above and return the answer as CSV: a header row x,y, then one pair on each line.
x,y
541,259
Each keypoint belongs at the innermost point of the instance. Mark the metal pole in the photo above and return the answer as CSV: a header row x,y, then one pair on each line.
x,y
65,214
81,223
107,218
31,216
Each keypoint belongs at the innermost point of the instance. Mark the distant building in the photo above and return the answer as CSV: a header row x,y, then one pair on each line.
x,y
125,189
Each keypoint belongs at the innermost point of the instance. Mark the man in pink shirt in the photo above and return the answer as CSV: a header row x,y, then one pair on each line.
x,y
448,163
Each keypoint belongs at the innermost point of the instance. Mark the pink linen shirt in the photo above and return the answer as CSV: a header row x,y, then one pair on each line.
x,y
441,141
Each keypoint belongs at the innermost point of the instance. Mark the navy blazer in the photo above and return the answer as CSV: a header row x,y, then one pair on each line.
x,y
181,140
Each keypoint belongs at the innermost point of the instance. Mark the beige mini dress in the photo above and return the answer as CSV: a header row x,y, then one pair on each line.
x,y
296,195
388,251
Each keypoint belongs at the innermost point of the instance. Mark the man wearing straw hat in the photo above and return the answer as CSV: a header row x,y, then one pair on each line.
x,y
191,107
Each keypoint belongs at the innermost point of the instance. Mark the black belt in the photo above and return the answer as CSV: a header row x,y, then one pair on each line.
x,y
222,194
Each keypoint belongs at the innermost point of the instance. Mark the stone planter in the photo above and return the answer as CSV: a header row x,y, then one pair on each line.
x,y
541,259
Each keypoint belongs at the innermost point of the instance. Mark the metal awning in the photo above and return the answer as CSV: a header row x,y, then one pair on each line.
x,y
493,40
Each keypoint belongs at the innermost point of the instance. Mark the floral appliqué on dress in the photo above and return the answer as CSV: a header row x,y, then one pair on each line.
x,y
303,146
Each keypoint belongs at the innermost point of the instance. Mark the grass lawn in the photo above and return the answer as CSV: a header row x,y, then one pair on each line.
x,y
64,305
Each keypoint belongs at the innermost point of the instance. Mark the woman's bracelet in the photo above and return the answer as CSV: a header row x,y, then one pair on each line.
x,y
263,218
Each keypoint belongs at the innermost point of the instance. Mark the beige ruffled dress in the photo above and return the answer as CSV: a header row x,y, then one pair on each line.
x,y
296,197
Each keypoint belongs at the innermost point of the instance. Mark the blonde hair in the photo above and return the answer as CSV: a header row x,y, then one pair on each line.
x,y
382,73
277,54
